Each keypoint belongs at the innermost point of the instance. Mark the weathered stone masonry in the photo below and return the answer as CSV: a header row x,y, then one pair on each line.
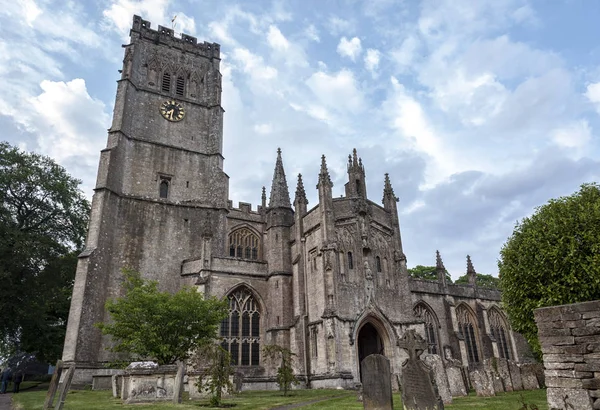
x,y
329,282
570,339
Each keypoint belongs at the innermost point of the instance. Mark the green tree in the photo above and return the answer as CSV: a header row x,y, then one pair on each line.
x,y
43,220
216,362
483,280
427,273
552,258
285,372
159,325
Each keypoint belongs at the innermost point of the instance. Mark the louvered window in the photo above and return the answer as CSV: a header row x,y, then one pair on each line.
x,y
166,83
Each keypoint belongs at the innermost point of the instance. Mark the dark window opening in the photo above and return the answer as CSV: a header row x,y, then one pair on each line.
x,y
358,186
350,261
378,263
232,251
164,188
180,86
166,83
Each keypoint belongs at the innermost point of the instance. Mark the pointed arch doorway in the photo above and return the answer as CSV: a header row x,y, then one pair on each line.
x,y
369,342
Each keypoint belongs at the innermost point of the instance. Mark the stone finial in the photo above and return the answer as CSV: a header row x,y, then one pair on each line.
x,y
440,269
388,191
354,162
439,264
324,177
471,274
300,192
264,197
280,195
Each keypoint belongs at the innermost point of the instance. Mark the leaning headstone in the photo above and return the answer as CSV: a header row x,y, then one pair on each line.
x,y
64,387
377,383
53,385
491,368
504,372
515,375
456,381
480,380
529,377
434,361
417,381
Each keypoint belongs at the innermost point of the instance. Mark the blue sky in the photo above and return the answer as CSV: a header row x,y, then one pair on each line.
x,y
479,110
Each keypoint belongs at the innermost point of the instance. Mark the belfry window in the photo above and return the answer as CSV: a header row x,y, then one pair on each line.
x,y
180,86
243,243
431,325
166,83
499,330
467,326
163,188
240,331
350,261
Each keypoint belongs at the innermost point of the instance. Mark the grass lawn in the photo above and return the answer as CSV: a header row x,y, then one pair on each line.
x,y
337,399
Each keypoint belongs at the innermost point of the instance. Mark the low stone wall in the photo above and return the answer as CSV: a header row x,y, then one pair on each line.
x,y
570,339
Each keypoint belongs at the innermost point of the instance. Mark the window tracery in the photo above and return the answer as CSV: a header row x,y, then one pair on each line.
x,y
499,330
431,324
243,243
467,326
240,331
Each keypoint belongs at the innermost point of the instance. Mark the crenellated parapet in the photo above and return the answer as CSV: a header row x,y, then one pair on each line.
x,y
244,207
167,36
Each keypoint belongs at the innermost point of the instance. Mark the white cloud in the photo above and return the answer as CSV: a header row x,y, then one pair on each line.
x,y
68,120
31,11
349,48
338,25
312,33
277,40
253,65
372,59
593,94
573,135
338,92
405,54
263,129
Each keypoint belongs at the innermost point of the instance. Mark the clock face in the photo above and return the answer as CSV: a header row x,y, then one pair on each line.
x,y
172,110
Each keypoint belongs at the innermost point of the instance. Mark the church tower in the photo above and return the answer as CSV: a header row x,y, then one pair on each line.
x,y
161,192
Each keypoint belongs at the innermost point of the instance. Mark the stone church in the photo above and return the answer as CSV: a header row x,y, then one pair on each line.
x,y
329,282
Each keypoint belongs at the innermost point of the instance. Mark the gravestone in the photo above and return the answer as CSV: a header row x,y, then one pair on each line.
x,y
238,381
417,382
457,380
434,361
529,377
515,375
491,368
482,383
376,382
504,372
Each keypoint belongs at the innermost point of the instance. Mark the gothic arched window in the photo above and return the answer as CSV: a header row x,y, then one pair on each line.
x,y
240,331
499,330
243,243
166,83
350,261
180,86
467,327
163,189
422,311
